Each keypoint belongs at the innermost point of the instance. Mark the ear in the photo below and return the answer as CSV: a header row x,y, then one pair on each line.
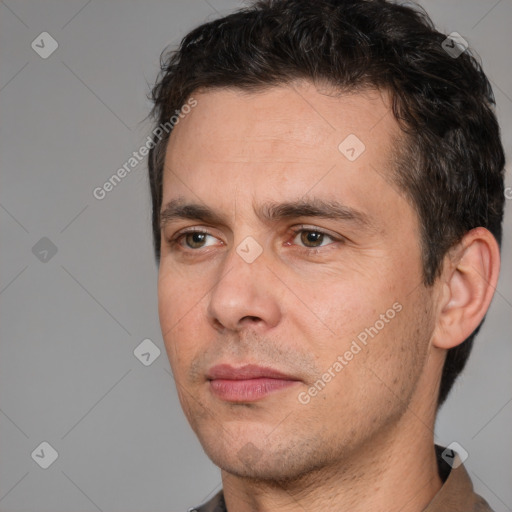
x,y
468,282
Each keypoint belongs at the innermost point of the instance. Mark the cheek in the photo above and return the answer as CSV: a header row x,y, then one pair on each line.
x,y
179,308
350,307
370,323
179,296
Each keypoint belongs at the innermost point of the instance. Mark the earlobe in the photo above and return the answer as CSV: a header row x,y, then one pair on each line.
x,y
469,281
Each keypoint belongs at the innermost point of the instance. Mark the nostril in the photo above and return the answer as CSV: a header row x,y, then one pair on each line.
x,y
251,318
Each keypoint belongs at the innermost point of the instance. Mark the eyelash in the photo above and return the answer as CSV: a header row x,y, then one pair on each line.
x,y
175,241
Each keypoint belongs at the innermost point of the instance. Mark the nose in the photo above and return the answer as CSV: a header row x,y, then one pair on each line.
x,y
246,294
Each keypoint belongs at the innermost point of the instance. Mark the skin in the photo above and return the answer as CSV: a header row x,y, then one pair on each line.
x,y
365,441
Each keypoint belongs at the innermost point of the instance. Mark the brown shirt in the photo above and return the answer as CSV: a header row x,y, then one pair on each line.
x,y
456,494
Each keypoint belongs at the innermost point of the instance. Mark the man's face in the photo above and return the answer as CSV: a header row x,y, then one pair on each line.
x,y
333,302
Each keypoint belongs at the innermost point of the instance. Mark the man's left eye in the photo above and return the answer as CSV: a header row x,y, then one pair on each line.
x,y
312,238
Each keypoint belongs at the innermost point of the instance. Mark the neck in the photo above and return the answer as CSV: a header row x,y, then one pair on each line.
x,y
397,471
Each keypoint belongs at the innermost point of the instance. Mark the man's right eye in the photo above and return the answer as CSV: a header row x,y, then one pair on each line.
x,y
192,239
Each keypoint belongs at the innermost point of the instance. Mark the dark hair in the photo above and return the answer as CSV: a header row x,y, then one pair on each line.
x,y
452,161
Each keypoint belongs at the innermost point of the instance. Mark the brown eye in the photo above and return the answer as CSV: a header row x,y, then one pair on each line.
x,y
312,238
195,240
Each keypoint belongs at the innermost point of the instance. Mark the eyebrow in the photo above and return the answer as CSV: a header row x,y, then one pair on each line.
x,y
178,209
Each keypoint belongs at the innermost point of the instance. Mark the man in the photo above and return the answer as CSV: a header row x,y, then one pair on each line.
x,y
327,219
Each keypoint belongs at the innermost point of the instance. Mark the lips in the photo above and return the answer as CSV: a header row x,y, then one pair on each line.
x,y
247,383
248,371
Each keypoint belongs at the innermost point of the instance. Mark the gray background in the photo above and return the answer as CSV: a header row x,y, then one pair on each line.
x,y
70,325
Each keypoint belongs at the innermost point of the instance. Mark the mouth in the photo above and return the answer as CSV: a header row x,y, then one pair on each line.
x,y
247,383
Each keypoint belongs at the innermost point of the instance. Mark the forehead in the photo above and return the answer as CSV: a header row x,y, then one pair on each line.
x,y
283,143
297,120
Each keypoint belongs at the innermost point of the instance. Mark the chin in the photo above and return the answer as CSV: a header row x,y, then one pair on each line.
x,y
264,462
